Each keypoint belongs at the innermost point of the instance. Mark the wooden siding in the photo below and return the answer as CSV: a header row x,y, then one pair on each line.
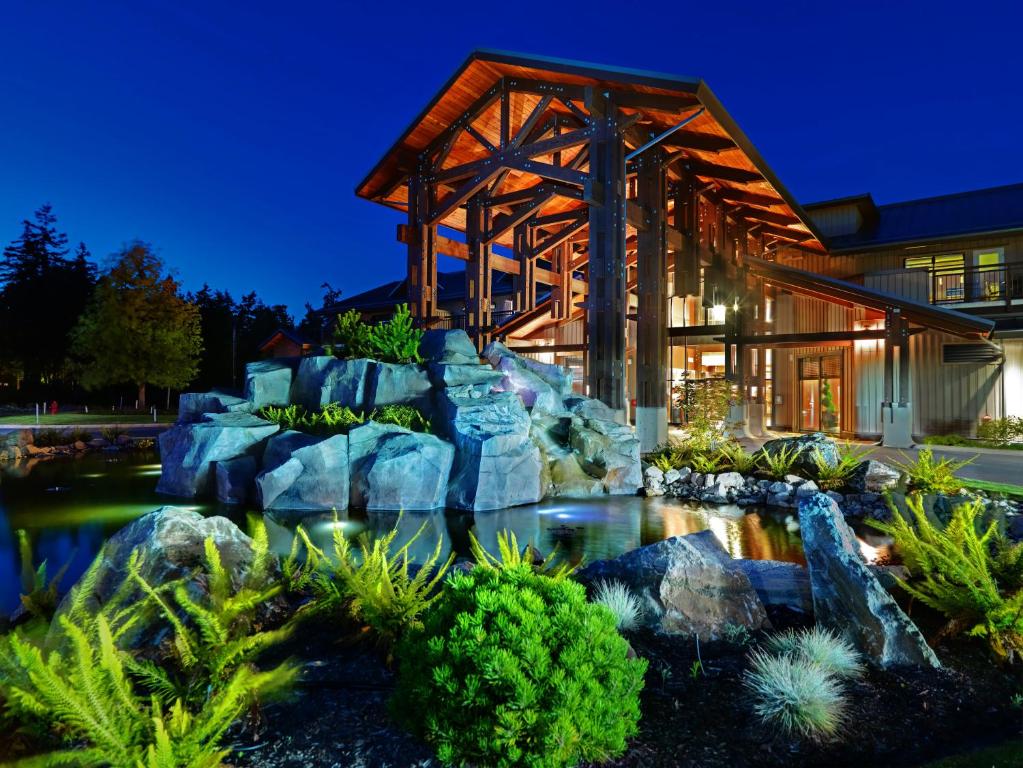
x,y
1013,377
839,220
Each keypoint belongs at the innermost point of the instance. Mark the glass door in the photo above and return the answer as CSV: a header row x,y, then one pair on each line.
x,y
820,394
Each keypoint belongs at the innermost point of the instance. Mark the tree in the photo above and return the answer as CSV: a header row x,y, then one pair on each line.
x,y
138,328
43,294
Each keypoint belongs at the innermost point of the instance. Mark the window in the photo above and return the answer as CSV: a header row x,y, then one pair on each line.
x,y
989,276
947,283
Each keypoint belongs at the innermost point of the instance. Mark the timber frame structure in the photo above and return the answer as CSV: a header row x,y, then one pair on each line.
x,y
612,191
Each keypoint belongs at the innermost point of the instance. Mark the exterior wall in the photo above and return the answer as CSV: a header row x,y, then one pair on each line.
x,y
950,397
1012,377
837,220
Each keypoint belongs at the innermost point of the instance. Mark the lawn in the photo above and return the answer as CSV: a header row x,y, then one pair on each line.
x,y
86,419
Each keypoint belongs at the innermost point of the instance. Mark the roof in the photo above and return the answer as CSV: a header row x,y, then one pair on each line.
x,y
982,211
450,287
711,143
287,333
850,294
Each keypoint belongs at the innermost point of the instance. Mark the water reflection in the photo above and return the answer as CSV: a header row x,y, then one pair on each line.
x,y
100,493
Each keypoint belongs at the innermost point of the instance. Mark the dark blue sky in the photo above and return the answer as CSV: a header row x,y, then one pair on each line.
x,y
231,136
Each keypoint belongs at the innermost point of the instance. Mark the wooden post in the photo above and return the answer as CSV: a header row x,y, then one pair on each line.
x,y
561,295
525,281
652,322
904,398
422,256
477,272
890,339
607,302
687,258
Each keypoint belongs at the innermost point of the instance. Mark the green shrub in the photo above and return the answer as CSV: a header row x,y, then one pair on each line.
x,y
777,465
929,476
509,555
673,454
513,668
38,590
795,695
947,440
394,341
707,463
974,578
376,588
407,416
79,435
831,478
332,419
1001,431
818,646
623,604
662,462
113,433
50,438
734,456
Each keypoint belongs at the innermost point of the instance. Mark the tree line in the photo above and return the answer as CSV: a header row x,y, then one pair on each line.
x,y
69,330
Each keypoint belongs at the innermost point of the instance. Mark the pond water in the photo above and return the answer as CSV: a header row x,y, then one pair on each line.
x,y
69,506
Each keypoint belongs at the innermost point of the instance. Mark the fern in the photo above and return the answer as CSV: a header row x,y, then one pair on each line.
x,y
830,478
38,592
406,416
779,464
974,577
929,476
510,556
738,458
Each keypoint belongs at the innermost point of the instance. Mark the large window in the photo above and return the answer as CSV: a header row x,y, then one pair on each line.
x,y
947,281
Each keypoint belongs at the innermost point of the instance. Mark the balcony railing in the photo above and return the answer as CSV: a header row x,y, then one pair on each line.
x,y
1003,282
452,322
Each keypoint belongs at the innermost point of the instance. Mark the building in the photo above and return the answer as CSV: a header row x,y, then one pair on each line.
x,y
620,222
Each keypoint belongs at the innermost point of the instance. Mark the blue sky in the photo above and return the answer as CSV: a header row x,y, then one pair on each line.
x,y
232,135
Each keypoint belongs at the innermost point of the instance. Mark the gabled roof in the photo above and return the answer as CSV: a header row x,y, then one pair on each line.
x,y
983,211
287,333
450,287
712,142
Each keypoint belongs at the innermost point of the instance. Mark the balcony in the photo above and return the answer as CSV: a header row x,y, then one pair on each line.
x,y
971,285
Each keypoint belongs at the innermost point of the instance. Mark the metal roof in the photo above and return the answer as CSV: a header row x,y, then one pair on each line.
x,y
982,211
450,287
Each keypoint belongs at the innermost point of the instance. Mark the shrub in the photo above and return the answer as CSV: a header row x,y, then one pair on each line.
x,y
673,454
113,433
50,438
777,465
831,478
623,604
663,463
332,419
738,458
705,405
38,591
79,435
947,440
707,463
406,416
929,476
736,634
509,555
1001,431
795,694
819,646
974,578
513,668
377,588
394,341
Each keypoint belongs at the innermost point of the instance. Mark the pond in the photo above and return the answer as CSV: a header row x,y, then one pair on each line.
x,y
69,506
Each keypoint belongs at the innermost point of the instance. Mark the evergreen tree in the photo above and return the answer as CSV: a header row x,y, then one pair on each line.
x,y
43,293
138,327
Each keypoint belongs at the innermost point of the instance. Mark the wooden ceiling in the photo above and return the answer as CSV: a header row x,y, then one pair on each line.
x,y
711,147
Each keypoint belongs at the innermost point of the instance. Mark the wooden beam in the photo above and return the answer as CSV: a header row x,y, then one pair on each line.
x,y
769,217
742,196
558,238
445,139
510,156
659,102
519,214
530,122
524,195
795,235
687,331
534,349
480,138
449,204
723,172
543,88
701,142
821,338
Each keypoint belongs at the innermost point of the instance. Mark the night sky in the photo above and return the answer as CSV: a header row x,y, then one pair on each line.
x,y
232,135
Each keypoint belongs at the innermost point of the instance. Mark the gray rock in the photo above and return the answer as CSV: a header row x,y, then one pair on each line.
x,y
235,478
569,480
672,476
778,583
440,346
779,487
314,479
588,408
324,379
556,377
399,384
280,447
268,382
496,464
722,489
482,378
608,451
873,477
188,451
171,544
192,406
653,481
805,446
687,584
396,469
847,596
536,393
14,443
807,488
1014,527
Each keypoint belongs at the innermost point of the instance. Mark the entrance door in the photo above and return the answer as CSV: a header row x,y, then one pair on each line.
x,y
820,393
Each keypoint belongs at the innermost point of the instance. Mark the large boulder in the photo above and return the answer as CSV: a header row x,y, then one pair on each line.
x,y
588,408
464,379
193,406
778,584
14,443
314,479
536,394
188,451
608,451
564,476
847,596
496,463
806,447
687,585
171,544
393,468
280,447
454,347
324,379
399,384
556,377
235,478
872,476
268,382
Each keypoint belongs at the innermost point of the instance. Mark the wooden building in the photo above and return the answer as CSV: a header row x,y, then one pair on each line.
x,y
646,243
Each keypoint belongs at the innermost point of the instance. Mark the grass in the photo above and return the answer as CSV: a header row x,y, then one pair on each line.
x,y
1007,489
94,419
1003,756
